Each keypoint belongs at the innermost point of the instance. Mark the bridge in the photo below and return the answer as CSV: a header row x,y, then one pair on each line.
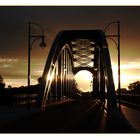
x,y
60,107
71,52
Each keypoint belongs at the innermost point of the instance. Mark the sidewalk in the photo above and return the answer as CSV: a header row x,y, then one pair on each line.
x,y
132,115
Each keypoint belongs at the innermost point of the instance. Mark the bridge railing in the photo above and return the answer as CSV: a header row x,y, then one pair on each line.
x,y
19,96
16,99
130,98
22,99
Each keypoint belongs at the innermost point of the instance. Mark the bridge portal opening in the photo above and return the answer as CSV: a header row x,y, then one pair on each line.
x,y
84,80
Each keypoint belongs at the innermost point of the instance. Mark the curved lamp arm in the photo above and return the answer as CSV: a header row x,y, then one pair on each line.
x,y
118,22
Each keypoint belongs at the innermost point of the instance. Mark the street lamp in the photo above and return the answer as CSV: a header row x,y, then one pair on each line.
x,y
31,40
118,48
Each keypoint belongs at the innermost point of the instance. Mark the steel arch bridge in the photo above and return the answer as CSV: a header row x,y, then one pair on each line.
x,y
72,51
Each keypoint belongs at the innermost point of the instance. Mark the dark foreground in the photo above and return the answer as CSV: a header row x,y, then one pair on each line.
x,y
84,116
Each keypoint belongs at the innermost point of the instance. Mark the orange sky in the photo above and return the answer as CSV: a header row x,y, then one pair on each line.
x,y
14,38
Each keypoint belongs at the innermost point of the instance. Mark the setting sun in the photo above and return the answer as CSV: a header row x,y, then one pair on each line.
x,y
84,79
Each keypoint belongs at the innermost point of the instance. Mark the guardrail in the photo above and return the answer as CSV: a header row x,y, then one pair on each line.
x,y
132,98
22,99
17,99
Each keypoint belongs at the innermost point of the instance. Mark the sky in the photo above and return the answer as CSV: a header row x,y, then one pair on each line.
x,y
14,37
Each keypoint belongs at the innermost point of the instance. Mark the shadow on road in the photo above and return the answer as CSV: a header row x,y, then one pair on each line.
x,y
74,116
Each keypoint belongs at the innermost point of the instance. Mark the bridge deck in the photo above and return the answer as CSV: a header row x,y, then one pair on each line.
x,y
82,116
133,116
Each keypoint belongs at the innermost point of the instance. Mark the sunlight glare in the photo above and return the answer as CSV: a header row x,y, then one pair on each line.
x,y
84,79
127,77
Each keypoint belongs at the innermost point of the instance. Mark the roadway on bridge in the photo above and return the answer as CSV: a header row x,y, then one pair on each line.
x,y
132,115
72,116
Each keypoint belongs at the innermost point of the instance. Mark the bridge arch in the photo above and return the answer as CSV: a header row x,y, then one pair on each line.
x,y
57,77
75,49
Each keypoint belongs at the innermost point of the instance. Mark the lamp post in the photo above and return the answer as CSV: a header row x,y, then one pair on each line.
x,y
118,48
31,40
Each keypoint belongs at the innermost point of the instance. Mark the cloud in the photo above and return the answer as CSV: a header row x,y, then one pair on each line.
x,y
130,72
135,64
131,65
18,82
4,60
6,63
12,67
6,66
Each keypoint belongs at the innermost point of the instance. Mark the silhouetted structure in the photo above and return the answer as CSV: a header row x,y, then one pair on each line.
x,y
71,52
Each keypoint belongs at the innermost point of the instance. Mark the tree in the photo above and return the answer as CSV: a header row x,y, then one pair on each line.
x,y
122,90
9,86
2,84
134,86
40,80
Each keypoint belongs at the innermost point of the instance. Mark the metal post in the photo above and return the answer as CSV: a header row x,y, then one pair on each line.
x,y
119,74
30,43
29,48
118,48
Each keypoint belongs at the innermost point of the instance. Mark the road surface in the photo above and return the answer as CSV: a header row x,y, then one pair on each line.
x,y
72,116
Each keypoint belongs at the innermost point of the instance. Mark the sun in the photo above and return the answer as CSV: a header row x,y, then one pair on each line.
x,y
84,79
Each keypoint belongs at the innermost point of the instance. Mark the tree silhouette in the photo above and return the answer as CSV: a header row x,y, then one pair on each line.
x,y
9,86
135,87
2,84
40,80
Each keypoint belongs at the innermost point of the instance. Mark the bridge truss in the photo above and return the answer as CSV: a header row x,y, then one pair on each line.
x,y
71,52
